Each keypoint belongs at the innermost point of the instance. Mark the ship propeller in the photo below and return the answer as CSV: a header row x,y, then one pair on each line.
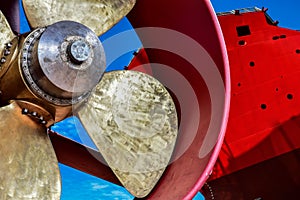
x,y
56,71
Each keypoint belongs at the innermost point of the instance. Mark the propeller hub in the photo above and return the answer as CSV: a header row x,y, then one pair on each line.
x,y
63,62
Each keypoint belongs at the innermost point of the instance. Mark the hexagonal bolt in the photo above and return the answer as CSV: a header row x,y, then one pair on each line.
x,y
79,51
6,52
8,45
3,60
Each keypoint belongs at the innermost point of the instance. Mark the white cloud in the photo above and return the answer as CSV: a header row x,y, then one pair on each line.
x,y
98,186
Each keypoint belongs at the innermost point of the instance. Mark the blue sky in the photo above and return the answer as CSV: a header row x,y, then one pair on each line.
x,y
78,185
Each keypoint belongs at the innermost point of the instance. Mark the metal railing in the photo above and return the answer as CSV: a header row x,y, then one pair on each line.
x,y
241,10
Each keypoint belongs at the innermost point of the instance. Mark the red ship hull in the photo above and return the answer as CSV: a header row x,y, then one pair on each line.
x,y
265,102
260,156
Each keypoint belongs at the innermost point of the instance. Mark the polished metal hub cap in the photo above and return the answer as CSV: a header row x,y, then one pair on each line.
x,y
63,62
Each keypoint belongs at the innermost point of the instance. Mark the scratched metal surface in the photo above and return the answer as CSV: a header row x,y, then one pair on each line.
x,y
132,120
28,165
98,15
56,65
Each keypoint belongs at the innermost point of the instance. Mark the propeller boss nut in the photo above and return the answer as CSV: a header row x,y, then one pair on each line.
x,y
79,51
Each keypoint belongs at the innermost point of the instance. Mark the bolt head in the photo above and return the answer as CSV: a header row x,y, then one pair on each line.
x,y
6,52
79,51
8,45
25,111
3,60
34,114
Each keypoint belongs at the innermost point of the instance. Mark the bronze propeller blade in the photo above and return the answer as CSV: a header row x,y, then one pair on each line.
x,y
28,165
132,120
98,15
6,34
